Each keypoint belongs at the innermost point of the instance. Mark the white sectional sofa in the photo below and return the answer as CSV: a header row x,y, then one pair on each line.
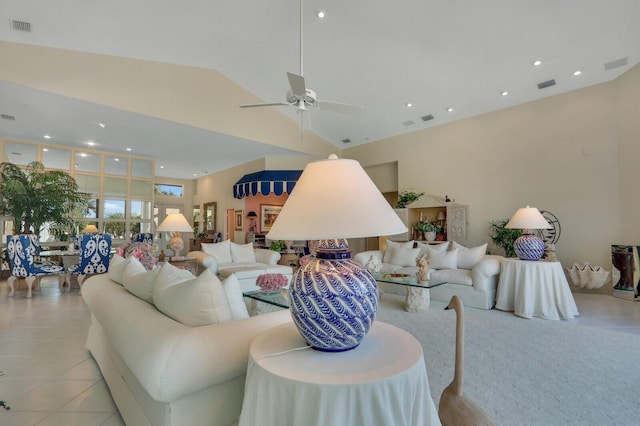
x,y
242,260
161,371
468,273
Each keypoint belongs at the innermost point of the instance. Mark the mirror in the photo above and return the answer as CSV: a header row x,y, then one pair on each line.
x,y
210,217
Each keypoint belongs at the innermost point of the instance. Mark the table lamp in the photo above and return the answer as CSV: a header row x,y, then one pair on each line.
x,y
252,216
528,246
176,223
333,299
90,229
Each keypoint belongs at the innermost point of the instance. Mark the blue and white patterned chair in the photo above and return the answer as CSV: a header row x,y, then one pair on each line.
x,y
22,251
95,250
142,237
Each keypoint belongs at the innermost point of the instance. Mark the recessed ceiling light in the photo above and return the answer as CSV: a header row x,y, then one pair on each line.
x,y
103,125
45,149
321,14
450,109
162,167
409,104
47,136
91,143
83,154
116,159
504,93
195,174
537,63
577,73
128,149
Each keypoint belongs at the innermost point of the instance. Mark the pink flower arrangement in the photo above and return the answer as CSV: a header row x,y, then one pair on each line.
x,y
144,252
272,282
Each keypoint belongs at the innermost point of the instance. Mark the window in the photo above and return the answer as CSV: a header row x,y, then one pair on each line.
x,y
168,190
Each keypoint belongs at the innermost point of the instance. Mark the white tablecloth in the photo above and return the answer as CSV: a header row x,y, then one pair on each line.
x,y
381,382
535,289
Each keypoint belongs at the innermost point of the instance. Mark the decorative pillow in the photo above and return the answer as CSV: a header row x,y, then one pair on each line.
x,y
138,281
194,302
438,248
221,251
116,268
392,245
235,298
468,257
448,260
404,256
242,253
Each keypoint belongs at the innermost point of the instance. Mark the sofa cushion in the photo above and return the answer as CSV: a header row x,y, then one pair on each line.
x,y
138,281
235,298
391,245
455,276
116,268
221,251
195,301
241,253
468,257
404,256
435,248
448,260
252,270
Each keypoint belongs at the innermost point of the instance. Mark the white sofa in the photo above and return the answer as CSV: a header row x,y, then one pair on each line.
x,y
242,260
160,371
468,273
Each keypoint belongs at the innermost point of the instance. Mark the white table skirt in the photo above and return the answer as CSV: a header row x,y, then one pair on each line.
x,y
535,289
381,382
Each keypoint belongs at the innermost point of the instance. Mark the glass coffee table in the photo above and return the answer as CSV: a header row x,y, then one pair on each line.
x,y
418,296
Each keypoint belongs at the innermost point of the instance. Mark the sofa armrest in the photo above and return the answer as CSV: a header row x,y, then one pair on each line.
x,y
267,256
487,267
205,260
363,257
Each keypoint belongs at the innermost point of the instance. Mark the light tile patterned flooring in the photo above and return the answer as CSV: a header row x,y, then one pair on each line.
x,y
48,378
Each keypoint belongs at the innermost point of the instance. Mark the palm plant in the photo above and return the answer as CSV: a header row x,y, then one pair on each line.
x,y
33,196
504,237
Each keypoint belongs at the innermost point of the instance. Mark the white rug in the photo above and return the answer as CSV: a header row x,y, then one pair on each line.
x,y
529,372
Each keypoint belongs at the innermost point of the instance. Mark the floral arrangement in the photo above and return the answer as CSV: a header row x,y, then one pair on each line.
x,y
144,252
271,282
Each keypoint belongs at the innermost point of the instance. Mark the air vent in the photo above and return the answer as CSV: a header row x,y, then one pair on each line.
x,y
21,26
546,84
408,123
347,140
427,117
8,117
615,64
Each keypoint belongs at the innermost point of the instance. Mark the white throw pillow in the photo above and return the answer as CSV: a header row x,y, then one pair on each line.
x,y
437,248
221,251
138,281
448,260
404,256
235,298
391,246
169,275
197,301
116,268
241,253
468,257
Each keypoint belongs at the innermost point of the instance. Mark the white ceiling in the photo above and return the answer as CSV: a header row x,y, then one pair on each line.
x,y
379,54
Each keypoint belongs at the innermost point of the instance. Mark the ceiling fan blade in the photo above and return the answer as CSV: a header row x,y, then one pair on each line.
x,y
263,105
297,85
338,107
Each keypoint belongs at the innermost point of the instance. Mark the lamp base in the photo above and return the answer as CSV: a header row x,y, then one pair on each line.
x,y
529,246
333,299
176,243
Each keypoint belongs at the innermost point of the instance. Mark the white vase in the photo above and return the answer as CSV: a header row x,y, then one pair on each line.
x,y
431,236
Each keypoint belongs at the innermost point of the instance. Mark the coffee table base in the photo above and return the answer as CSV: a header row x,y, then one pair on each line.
x,y
418,299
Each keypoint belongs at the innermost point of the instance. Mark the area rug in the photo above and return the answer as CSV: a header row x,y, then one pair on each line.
x,y
529,372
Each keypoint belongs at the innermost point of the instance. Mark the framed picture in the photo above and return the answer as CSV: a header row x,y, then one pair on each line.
x,y
239,220
268,215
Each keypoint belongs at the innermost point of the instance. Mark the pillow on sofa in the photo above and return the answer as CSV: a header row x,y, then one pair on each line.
x,y
438,248
391,246
193,302
116,268
221,251
404,256
468,257
242,253
448,260
138,281
235,298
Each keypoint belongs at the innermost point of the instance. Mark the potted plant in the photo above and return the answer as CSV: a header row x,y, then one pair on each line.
x,y
503,237
428,229
33,196
407,197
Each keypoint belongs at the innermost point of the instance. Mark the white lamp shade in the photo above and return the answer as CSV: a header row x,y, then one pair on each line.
x,y
175,222
335,198
528,218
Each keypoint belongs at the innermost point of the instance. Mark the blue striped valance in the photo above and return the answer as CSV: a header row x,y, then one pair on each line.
x,y
266,182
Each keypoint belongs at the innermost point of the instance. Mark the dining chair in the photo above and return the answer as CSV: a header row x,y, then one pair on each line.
x,y
22,251
95,250
142,237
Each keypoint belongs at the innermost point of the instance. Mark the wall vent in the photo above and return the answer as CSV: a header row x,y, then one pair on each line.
x,y
615,64
546,84
21,26
8,117
347,140
427,117
408,123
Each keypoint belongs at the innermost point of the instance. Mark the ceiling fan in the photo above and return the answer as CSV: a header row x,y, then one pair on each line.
x,y
304,98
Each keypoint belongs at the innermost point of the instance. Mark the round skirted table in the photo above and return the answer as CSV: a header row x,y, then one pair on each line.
x,y
381,382
535,289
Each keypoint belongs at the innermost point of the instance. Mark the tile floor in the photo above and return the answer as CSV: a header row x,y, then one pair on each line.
x,y
48,378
